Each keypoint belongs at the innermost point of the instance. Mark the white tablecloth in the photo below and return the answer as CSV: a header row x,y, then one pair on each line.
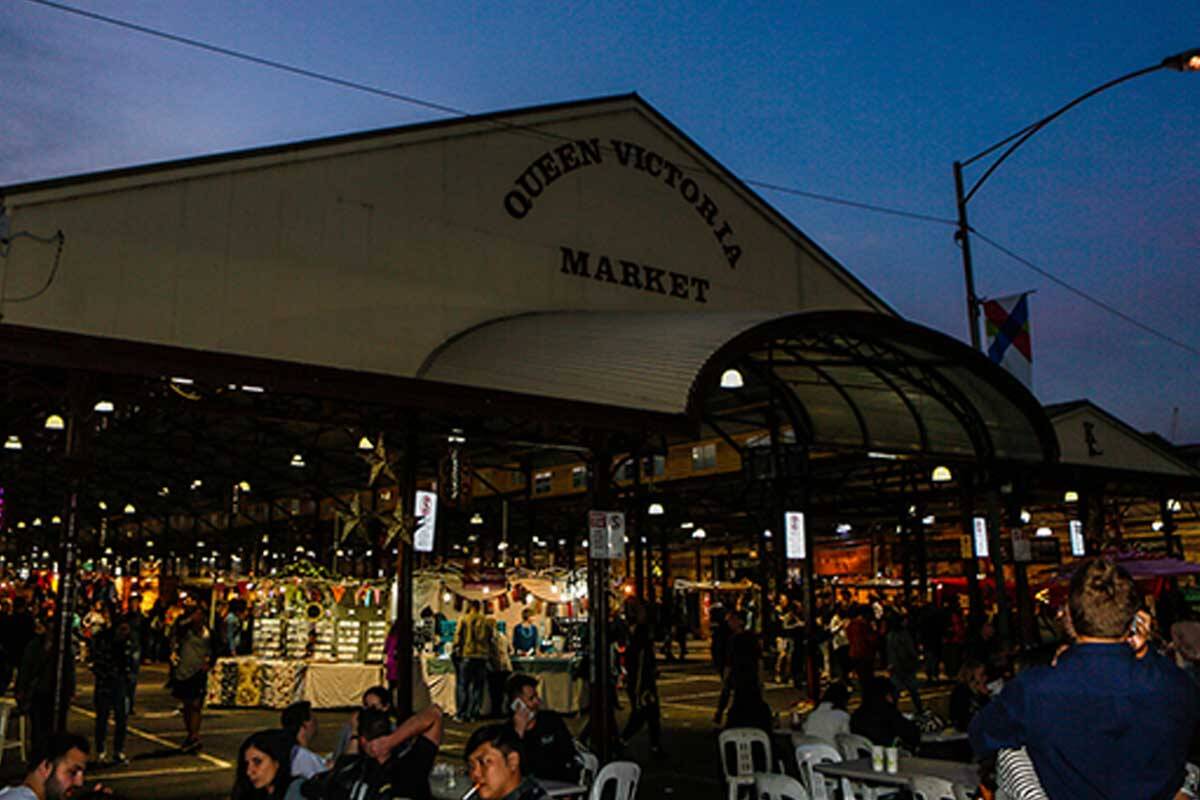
x,y
340,685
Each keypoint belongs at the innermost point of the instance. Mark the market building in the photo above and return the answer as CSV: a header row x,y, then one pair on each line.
x,y
258,358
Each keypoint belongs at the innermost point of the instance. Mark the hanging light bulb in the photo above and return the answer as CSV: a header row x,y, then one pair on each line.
x,y
55,423
655,510
129,509
365,444
297,460
104,407
731,379
13,442
941,474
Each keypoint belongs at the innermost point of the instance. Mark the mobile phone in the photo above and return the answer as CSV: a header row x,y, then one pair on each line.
x,y
518,704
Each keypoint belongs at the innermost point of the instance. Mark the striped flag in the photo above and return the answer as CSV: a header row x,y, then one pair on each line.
x,y
1008,335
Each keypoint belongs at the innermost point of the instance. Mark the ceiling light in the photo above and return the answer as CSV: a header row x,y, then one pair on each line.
x,y
104,407
182,381
928,520
477,518
37,522
1157,525
687,526
297,460
55,423
732,379
365,444
655,510
56,520
20,525
883,456
196,484
941,475
103,506
164,491
1025,517
1044,531
12,443
699,533
1174,505
129,509
244,486
1071,496
843,528
767,534
253,389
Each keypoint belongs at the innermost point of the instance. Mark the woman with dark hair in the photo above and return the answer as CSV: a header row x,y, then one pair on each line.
x,y
263,767
830,717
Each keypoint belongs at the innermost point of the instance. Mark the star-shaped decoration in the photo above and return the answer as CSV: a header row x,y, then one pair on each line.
x,y
353,519
380,462
397,524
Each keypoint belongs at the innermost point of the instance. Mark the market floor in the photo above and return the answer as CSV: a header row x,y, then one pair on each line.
x,y
158,770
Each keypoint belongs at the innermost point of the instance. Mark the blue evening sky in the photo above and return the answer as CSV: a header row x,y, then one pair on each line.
x,y
870,101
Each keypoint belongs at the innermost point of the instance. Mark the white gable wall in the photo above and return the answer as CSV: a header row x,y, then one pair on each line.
x,y
367,255
1093,439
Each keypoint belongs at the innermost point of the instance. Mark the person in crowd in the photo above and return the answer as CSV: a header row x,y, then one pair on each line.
x,y
880,720
642,680
719,631
378,698
903,659
956,637
113,661
787,623
234,627
680,624
969,695
190,664
300,728
861,635
1102,721
263,771
393,652
499,670
472,644
525,636
35,681
15,634
389,763
1185,644
56,770
546,743
839,643
743,679
830,717
493,755
932,623
137,637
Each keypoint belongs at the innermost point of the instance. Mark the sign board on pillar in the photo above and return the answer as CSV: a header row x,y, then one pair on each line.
x,y
981,538
794,524
606,534
426,513
1078,545
1022,550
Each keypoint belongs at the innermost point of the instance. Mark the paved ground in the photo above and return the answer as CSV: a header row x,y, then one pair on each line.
x,y
157,770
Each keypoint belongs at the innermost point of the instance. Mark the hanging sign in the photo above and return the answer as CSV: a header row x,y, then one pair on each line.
x,y
606,534
794,525
426,514
1022,549
1078,545
981,539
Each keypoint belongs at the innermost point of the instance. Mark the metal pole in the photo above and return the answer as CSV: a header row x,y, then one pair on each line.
x,y
602,733
963,235
404,576
77,431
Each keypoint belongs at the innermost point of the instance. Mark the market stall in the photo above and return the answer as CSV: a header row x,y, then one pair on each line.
x,y
315,638
558,602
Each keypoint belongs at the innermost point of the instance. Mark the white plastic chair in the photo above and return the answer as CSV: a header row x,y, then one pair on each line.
x,y
589,762
624,773
769,786
852,746
7,709
818,786
739,769
927,787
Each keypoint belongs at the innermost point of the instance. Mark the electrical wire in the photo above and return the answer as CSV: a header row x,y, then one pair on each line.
x,y
441,107
1084,295
59,238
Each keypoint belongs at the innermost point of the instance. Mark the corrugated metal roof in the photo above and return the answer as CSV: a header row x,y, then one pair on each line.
x,y
645,360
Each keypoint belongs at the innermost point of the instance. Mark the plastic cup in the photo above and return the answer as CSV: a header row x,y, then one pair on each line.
x,y
892,756
877,758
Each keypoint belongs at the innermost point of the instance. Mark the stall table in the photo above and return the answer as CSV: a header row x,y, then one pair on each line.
x,y
561,686
249,682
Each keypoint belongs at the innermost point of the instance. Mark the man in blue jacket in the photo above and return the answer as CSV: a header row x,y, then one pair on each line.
x,y
1104,721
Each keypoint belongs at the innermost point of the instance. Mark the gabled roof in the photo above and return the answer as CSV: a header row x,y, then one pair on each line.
x,y
527,118
1118,446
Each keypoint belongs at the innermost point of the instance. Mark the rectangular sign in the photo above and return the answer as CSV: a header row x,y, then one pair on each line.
x,y
1022,549
1078,545
794,524
981,538
852,560
606,534
425,510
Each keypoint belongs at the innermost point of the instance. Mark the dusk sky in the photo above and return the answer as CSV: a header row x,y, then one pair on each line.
x,y
867,101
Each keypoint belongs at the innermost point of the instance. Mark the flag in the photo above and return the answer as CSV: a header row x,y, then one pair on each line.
x,y
1008,336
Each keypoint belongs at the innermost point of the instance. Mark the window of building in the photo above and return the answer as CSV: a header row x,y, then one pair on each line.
x,y
625,471
654,466
704,456
579,477
516,478
541,483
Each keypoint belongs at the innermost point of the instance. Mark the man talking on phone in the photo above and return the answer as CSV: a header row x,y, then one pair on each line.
x,y
548,750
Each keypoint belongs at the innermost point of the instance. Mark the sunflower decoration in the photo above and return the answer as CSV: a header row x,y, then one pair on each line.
x,y
381,463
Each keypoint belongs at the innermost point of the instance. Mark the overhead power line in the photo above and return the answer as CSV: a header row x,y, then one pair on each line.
x,y
1080,293
446,109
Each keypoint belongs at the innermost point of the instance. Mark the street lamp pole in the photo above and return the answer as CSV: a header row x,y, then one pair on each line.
x,y
1188,61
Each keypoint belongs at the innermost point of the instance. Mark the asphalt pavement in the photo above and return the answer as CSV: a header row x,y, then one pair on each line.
x,y
158,771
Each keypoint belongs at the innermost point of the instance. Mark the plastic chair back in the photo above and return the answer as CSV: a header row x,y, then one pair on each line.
x,y
7,710
624,774
927,787
853,746
807,757
769,786
744,751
